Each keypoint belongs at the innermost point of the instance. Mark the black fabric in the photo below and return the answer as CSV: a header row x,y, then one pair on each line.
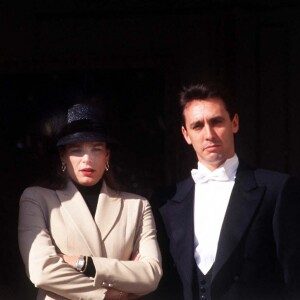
x,y
90,270
203,283
90,194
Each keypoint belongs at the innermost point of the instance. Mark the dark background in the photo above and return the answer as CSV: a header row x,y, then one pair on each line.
x,y
135,56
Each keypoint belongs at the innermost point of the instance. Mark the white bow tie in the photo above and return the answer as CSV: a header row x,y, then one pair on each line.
x,y
200,176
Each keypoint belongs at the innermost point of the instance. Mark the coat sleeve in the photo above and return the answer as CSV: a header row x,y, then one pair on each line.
x,y
138,277
286,226
43,266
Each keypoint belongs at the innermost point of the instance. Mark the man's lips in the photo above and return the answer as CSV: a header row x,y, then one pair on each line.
x,y
211,147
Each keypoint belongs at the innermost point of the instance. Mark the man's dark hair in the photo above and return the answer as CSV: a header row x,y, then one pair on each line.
x,y
204,91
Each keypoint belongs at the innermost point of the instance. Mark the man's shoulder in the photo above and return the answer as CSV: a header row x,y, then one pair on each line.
x,y
163,194
276,180
266,173
264,176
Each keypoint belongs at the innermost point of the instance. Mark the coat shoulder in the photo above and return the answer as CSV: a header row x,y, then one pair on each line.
x,y
37,192
273,178
177,192
133,199
272,181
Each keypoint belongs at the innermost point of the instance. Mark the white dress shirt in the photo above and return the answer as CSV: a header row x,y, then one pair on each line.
x,y
210,204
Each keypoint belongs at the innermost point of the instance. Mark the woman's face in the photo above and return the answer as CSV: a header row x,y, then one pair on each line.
x,y
85,162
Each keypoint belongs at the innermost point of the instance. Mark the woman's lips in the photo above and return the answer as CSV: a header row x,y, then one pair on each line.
x,y
87,171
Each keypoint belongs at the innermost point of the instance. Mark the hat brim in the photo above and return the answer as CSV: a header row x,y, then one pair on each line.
x,y
81,137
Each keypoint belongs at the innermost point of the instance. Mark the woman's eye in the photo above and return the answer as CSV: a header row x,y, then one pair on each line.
x,y
74,150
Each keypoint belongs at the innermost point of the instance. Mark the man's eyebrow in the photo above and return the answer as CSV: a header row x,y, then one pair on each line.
x,y
211,120
196,124
217,118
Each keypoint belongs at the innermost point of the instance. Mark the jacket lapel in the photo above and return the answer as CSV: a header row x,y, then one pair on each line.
x,y
244,200
74,204
108,210
178,218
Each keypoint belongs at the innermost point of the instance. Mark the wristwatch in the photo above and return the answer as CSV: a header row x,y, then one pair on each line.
x,y
79,265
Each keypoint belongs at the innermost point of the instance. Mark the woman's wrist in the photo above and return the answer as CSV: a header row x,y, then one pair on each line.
x,y
80,263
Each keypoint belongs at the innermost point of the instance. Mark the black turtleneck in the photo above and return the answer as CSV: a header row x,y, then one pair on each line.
x,y
90,194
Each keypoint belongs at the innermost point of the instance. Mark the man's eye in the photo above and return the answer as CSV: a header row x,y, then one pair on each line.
x,y
197,126
217,122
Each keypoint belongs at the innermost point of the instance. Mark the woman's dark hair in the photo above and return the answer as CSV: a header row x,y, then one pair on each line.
x,y
204,91
49,173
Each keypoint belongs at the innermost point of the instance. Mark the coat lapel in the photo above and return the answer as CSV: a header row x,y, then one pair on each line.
x,y
242,206
74,204
108,210
178,218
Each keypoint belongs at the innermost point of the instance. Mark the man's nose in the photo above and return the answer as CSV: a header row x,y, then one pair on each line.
x,y
209,132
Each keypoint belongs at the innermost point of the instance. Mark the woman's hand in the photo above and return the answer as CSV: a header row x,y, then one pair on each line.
x,y
71,260
136,256
112,294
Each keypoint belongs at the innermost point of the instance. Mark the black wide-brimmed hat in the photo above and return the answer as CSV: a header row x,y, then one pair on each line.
x,y
85,123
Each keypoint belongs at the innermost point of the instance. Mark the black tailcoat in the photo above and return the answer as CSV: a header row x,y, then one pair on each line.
x,y
258,255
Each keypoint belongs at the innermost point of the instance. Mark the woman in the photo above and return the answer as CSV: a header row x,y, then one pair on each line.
x,y
87,240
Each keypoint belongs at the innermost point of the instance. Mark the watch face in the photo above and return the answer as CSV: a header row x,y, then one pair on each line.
x,y
80,263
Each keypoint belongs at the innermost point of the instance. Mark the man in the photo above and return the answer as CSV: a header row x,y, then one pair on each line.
x,y
234,231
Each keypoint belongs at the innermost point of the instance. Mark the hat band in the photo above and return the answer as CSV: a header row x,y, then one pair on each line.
x,y
81,137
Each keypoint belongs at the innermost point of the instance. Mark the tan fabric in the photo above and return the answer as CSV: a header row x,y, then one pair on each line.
x,y
52,222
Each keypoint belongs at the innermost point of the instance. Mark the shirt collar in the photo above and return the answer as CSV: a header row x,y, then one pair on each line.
x,y
230,166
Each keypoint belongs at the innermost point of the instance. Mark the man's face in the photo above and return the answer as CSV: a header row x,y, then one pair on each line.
x,y
210,131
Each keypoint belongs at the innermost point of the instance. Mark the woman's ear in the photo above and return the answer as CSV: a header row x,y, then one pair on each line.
x,y
107,154
62,155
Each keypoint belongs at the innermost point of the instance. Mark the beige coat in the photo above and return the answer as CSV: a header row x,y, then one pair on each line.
x,y
52,222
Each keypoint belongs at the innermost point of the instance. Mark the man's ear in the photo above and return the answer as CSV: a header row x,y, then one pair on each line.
x,y
185,135
235,123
